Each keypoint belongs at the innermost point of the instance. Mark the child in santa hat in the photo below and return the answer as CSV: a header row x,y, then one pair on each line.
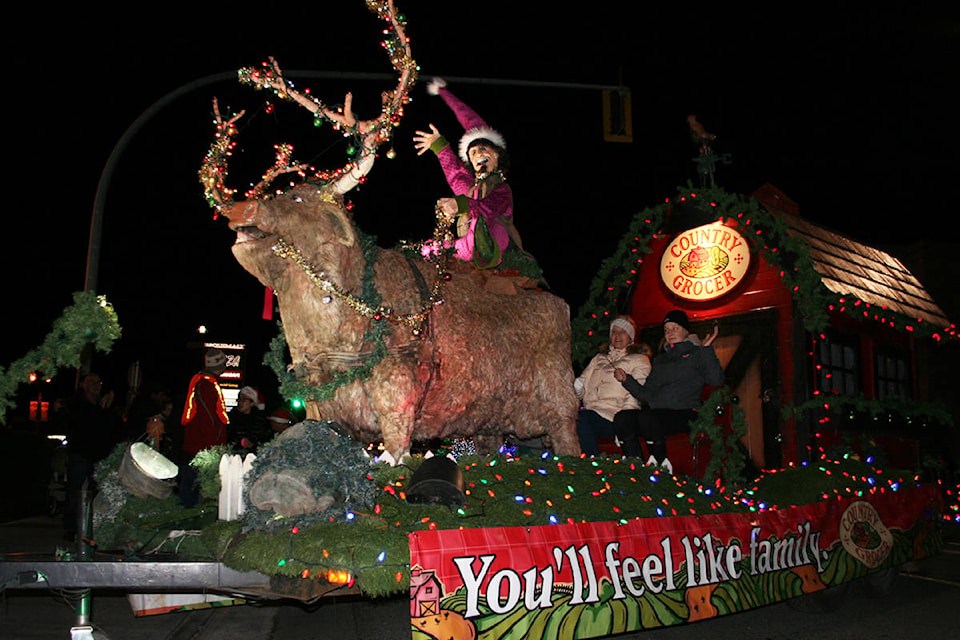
x,y
248,424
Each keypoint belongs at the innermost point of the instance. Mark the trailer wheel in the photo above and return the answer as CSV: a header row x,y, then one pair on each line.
x,y
54,507
881,584
821,601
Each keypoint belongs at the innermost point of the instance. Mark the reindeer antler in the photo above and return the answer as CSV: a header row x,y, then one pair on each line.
x,y
370,134
213,172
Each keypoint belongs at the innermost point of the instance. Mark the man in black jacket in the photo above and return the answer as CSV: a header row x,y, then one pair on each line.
x,y
672,392
93,429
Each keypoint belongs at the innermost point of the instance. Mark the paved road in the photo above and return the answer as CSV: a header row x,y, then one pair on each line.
x,y
924,603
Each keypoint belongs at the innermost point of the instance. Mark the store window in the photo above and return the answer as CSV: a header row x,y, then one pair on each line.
x,y
838,366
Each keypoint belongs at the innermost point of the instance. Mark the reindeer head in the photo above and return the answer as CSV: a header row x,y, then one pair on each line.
x,y
308,215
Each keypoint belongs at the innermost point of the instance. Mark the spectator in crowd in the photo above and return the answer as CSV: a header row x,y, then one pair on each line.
x,y
249,426
204,420
144,407
93,429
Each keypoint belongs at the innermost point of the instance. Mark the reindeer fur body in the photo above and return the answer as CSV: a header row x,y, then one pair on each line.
x,y
484,366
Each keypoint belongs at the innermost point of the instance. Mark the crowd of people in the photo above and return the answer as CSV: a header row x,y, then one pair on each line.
x,y
94,425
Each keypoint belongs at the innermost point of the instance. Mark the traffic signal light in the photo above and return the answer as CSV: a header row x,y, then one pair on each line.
x,y
617,116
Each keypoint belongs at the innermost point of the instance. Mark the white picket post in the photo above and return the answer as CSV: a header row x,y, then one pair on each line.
x,y
232,472
223,505
245,468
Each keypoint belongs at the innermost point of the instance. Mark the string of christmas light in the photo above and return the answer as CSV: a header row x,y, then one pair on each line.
x,y
614,281
213,171
368,135
367,547
549,490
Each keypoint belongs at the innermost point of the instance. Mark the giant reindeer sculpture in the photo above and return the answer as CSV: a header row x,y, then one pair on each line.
x,y
402,349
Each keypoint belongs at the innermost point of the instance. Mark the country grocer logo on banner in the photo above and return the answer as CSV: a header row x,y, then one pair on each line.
x,y
863,534
705,263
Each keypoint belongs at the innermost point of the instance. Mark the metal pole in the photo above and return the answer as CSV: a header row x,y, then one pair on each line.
x,y
84,604
96,223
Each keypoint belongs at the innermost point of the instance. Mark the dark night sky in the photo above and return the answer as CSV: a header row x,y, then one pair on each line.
x,y
849,113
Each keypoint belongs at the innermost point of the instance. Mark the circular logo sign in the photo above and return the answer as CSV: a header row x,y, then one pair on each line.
x,y
705,263
863,534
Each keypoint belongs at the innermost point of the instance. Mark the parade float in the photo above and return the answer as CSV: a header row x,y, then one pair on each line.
x,y
425,472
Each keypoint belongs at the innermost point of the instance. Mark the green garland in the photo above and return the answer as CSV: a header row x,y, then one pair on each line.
x,y
277,357
207,465
838,412
727,460
89,322
611,287
848,407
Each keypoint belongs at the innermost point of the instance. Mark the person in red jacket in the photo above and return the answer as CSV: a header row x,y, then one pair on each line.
x,y
204,420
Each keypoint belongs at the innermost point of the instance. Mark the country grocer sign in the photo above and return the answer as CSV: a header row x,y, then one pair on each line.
x,y
705,263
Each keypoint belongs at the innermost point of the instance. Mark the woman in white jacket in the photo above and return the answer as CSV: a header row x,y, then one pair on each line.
x,y
602,396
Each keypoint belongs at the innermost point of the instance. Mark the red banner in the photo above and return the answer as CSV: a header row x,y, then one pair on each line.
x,y
595,579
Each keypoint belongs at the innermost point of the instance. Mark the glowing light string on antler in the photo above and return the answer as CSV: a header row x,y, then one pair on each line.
x,y
213,171
370,134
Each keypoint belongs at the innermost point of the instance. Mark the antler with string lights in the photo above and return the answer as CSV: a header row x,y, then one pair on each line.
x,y
369,134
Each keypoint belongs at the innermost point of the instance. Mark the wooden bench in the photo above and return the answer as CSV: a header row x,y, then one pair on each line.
x,y
688,458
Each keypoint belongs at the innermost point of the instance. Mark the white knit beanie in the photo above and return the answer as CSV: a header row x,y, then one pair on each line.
x,y
624,323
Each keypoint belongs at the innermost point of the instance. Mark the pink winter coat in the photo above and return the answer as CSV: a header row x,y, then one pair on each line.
x,y
493,206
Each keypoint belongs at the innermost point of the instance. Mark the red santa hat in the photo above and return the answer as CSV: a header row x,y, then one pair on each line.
x,y
475,128
280,419
254,395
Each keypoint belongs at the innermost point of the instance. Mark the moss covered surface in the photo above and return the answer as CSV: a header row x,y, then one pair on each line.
x,y
368,549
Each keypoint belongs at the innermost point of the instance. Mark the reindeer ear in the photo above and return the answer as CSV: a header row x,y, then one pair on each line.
x,y
341,225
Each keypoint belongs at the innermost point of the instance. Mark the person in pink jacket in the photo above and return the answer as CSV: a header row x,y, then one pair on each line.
x,y
601,394
482,204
